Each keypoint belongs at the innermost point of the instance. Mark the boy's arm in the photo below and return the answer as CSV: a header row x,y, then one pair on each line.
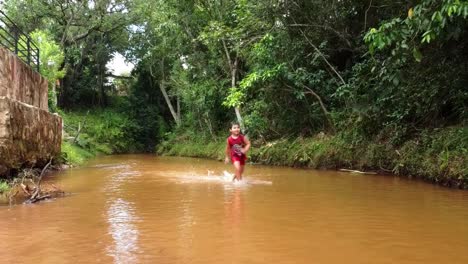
x,y
247,145
228,151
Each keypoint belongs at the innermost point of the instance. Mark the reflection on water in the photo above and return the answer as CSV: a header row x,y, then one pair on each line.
x,y
233,220
185,226
233,206
121,215
121,218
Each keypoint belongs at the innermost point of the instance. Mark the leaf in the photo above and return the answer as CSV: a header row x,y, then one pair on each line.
x,y
410,13
417,55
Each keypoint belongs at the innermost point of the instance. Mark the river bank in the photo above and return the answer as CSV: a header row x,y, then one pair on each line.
x,y
31,185
439,156
20,184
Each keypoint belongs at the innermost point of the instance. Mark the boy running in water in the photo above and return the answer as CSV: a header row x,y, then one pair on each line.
x,y
236,148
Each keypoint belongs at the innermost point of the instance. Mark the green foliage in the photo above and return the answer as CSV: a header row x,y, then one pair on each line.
x,y
88,35
256,122
51,59
73,154
130,125
381,79
51,56
105,131
198,146
439,156
426,22
238,96
4,187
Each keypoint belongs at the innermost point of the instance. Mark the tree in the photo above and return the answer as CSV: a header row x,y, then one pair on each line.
x,y
50,61
80,28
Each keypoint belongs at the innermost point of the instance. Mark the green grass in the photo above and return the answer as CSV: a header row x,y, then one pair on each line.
x,y
73,154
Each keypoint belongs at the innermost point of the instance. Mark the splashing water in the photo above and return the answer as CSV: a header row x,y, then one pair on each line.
x,y
228,176
225,178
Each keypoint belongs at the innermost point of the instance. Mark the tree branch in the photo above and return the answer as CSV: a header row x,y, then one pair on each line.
x,y
323,57
35,196
337,33
227,54
322,105
365,15
118,76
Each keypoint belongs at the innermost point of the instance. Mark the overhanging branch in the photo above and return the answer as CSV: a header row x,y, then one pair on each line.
x,y
119,76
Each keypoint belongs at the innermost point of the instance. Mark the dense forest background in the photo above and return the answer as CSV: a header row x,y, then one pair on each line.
x,y
384,82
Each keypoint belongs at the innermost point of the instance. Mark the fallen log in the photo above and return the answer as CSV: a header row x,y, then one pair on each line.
x,y
356,171
37,199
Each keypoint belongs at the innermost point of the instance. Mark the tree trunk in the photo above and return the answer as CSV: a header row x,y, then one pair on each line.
x,y
101,97
168,101
178,108
233,66
54,96
162,87
237,108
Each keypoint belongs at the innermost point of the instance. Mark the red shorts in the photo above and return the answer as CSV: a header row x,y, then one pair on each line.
x,y
241,159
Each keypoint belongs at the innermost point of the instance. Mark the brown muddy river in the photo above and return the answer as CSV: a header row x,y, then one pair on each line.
x,y
146,209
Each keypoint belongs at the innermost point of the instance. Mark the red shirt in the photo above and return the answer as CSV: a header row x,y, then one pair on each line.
x,y
235,145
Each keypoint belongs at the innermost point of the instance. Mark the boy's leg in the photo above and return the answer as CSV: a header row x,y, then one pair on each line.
x,y
242,165
241,171
238,168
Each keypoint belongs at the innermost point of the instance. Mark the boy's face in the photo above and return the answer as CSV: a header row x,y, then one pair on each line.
x,y
235,130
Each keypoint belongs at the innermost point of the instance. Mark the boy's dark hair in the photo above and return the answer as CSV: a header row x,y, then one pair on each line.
x,y
233,123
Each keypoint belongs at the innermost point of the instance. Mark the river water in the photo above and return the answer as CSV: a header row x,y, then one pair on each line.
x,y
147,209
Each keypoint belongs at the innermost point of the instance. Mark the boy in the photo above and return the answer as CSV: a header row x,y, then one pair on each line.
x,y
236,148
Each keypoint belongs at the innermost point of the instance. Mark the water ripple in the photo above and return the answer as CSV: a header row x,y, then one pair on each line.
x,y
121,218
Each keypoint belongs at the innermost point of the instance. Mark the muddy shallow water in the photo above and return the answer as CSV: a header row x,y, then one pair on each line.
x,y
147,209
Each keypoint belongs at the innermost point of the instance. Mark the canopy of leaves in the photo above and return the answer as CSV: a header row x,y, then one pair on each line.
x,y
385,69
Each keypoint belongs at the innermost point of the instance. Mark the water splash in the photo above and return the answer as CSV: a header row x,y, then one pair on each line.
x,y
226,178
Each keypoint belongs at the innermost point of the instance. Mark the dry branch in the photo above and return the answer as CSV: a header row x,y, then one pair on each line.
x,y
35,197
